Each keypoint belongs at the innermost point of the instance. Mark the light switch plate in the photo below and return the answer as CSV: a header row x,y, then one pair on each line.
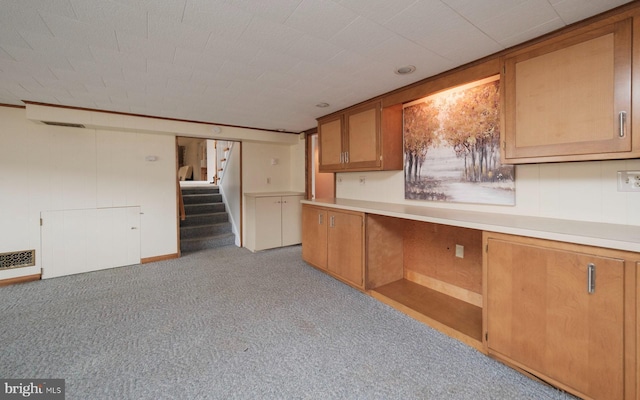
x,y
459,251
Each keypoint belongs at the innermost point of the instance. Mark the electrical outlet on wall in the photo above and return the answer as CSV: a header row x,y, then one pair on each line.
x,y
363,180
268,181
628,181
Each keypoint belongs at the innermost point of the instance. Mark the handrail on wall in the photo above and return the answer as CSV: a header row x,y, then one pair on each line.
x,y
220,171
183,214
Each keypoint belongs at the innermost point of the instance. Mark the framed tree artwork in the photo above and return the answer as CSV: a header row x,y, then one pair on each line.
x,y
452,147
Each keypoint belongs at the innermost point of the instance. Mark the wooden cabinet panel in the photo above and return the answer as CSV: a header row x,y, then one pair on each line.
x,y
345,246
564,99
334,241
331,144
541,317
314,236
363,138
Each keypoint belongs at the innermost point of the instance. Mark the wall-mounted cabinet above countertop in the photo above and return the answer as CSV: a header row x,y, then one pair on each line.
x,y
569,98
363,138
566,96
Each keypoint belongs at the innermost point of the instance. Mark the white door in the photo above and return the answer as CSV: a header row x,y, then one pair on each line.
x,y
268,222
291,220
76,241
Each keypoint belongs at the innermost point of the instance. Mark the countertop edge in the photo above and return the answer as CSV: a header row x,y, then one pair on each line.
x,y
273,194
606,235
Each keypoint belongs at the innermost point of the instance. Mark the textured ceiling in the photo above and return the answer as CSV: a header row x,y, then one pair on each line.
x,y
253,63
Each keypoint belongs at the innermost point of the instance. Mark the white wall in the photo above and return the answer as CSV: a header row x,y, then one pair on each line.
x,y
287,175
46,168
584,191
298,159
230,186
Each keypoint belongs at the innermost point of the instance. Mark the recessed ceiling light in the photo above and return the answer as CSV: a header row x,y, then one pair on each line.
x,y
406,70
322,105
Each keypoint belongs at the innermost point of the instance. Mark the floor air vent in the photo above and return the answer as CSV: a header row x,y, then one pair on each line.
x,y
17,259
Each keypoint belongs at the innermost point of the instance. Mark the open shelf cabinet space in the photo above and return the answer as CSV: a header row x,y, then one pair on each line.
x,y
430,272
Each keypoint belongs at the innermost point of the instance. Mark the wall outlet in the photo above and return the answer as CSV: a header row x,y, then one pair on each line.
x,y
363,180
459,251
268,181
628,181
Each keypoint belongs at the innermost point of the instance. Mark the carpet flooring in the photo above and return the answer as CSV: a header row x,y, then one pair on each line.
x,y
226,323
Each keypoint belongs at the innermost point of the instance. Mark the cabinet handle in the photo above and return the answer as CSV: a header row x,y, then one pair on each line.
x,y
622,121
346,157
320,219
332,221
591,278
341,157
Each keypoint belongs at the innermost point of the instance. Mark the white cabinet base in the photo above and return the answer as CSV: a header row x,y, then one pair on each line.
x,y
273,220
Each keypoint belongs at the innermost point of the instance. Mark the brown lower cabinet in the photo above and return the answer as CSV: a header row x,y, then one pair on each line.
x,y
562,312
334,241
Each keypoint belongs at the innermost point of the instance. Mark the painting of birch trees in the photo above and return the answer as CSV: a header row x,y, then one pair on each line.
x,y
452,147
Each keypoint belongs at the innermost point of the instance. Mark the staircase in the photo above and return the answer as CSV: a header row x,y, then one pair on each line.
x,y
207,223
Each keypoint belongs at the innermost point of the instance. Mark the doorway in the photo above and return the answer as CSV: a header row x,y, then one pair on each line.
x,y
215,167
197,159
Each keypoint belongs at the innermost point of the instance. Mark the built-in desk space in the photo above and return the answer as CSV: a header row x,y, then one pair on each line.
x,y
497,282
432,272
459,318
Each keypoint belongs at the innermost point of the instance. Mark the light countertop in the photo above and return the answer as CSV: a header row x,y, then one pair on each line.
x,y
273,194
614,236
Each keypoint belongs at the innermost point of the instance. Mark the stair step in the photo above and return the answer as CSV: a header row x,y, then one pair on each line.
x,y
200,231
199,190
205,208
202,198
207,223
205,219
215,241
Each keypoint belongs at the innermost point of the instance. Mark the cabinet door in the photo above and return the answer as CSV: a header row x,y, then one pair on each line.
x,y
291,220
362,142
346,246
268,225
330,138
541,316
314,236
569,98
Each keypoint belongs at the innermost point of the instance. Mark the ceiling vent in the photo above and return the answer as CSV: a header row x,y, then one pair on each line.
x,y
17,259
65,124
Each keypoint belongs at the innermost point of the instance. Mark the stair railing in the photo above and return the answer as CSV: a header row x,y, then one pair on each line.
x,y
223,162
183,214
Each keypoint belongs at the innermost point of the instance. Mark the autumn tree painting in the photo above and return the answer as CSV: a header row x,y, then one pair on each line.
x,y
451,147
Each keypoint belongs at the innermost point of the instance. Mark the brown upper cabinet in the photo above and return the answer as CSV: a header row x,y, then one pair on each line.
x,y
569,98
363,138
